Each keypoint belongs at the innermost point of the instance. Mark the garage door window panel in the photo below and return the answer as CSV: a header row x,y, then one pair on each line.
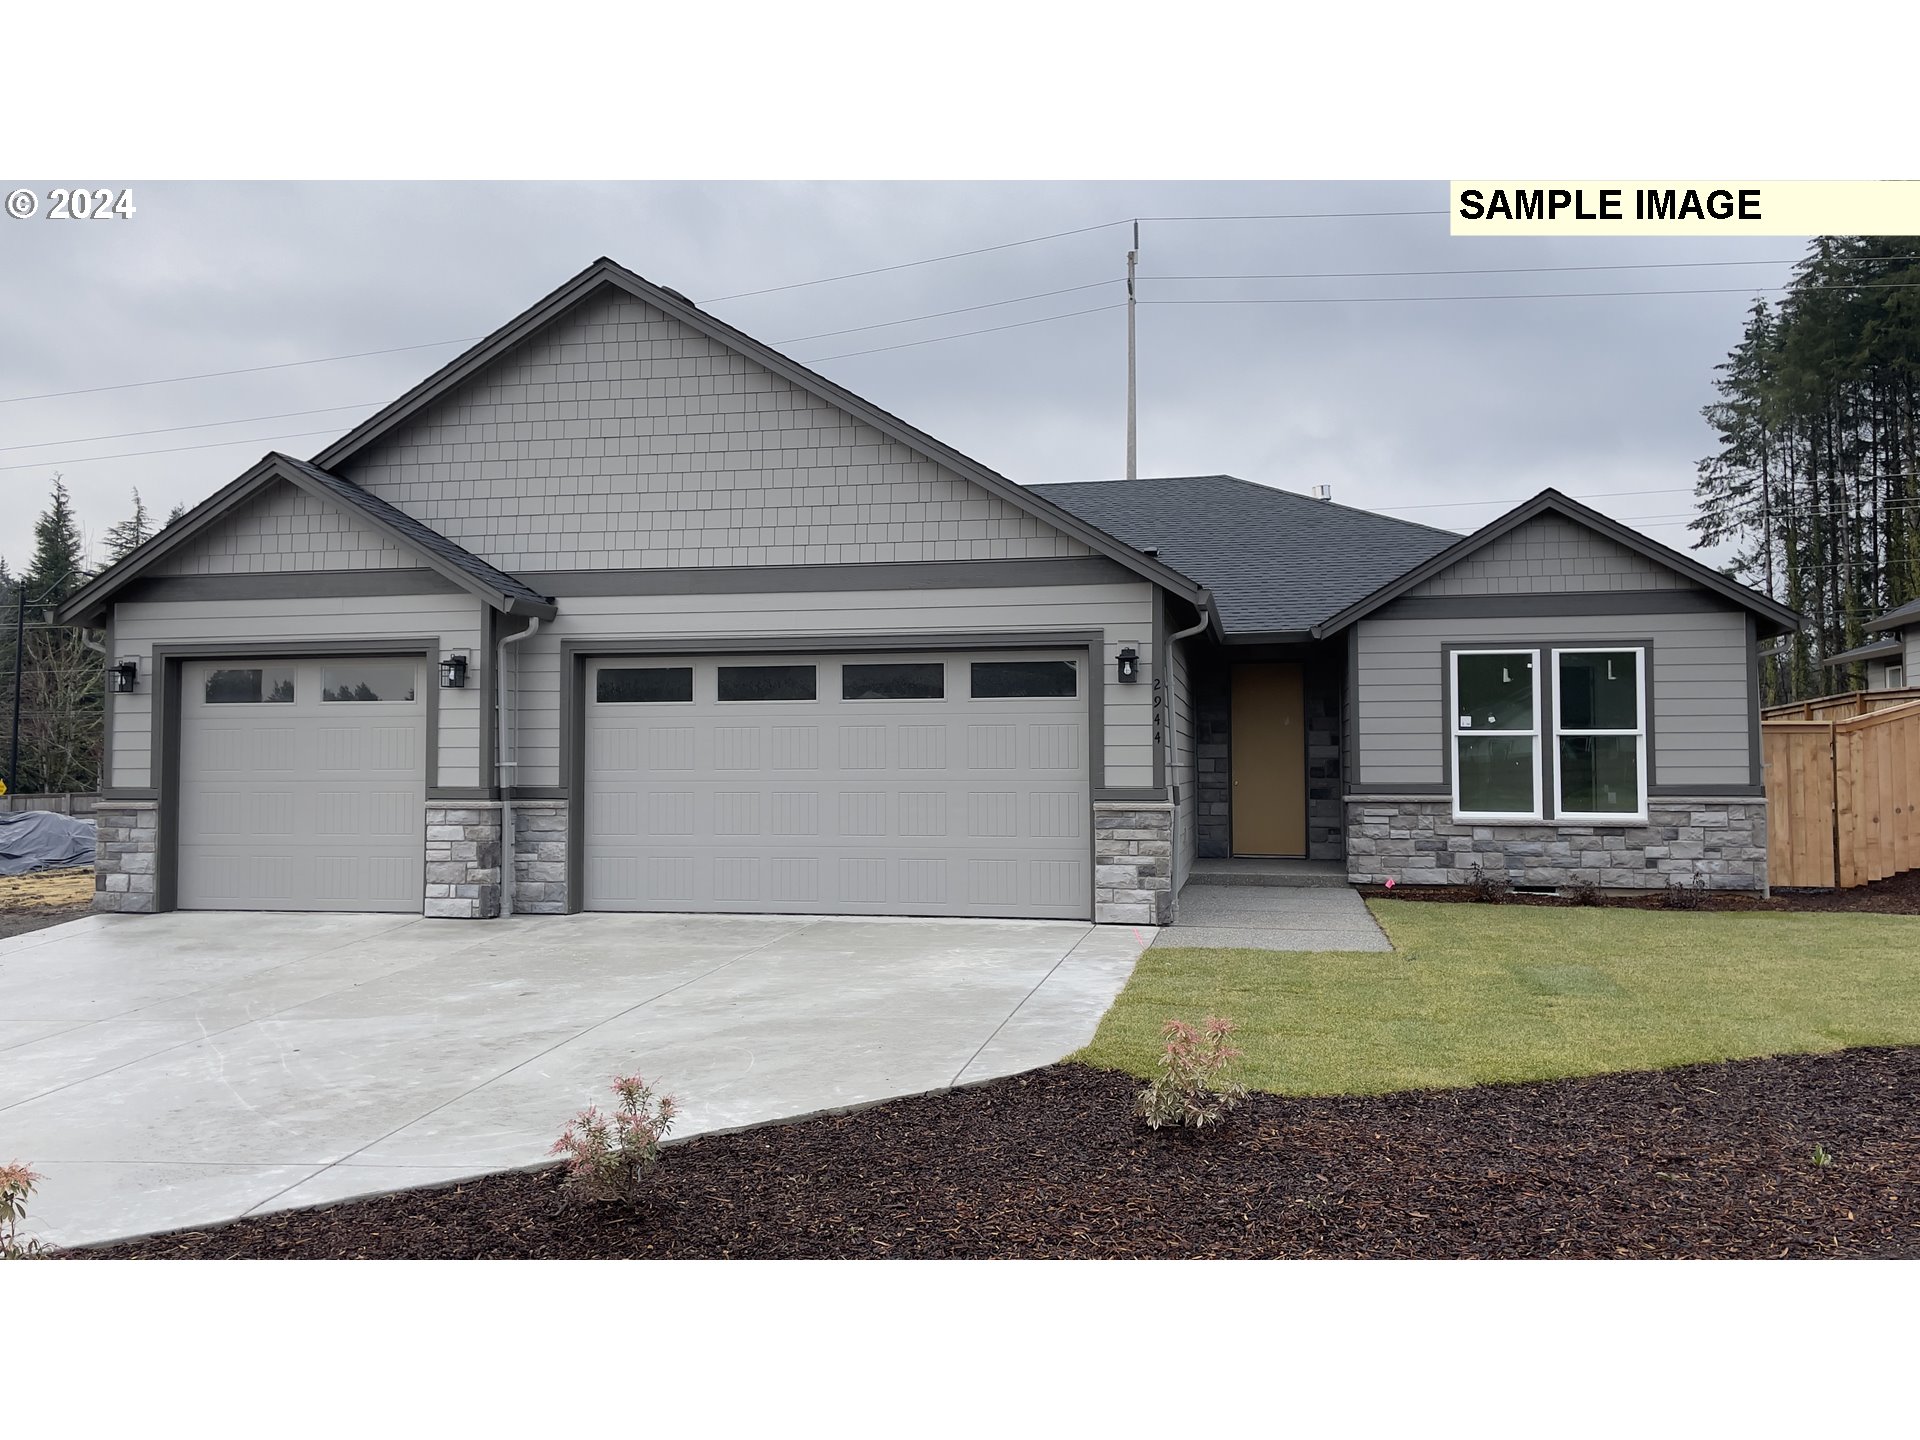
x,y
254,685
912,681
375,682
652,685
755,684
1025,680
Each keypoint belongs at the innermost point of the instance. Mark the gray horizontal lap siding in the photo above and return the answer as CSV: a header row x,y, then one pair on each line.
x,y
1698,673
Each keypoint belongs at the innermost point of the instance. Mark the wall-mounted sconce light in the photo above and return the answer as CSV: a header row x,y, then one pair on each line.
x,y
453,672
125,676
1129,665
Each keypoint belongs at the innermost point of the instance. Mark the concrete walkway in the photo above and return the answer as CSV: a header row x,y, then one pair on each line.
x,y
185,1069
1255,917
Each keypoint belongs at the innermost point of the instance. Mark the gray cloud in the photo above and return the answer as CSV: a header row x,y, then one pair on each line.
x,y
1392,404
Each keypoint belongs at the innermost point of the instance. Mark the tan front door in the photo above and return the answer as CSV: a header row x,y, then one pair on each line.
x,y
1269,761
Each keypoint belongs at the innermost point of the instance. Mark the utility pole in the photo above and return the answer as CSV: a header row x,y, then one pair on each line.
x,y
19,658
1133,400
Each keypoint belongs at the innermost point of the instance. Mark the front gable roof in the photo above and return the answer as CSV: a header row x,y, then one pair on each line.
x,y
467,570
1276,562
605,272
1775,617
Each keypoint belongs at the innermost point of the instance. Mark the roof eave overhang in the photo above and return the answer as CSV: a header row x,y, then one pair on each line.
x,y
607,272
90,603
1773,617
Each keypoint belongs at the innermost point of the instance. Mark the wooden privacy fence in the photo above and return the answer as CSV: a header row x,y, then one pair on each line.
x,y
1843,797
1842,707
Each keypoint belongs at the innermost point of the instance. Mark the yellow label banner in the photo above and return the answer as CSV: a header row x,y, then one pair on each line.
x,y
1685,207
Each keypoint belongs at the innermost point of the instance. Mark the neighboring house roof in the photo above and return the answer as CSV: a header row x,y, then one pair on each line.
x,y
1278,563
1777,618
607,272
460,565
1907,614
1872,650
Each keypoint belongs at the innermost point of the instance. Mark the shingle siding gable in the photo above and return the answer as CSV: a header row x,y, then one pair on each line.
x,y
283,528
619,438
1550,554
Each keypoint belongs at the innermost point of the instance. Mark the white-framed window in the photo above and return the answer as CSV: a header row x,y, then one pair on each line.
x,y
1496,734
1600,734
1896,677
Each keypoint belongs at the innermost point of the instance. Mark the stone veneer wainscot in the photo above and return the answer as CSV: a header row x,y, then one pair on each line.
x,y
126,850
1415,840
463,860
1133,863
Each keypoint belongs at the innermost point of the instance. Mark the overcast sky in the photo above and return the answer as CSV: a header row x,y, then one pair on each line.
x,y
1407,407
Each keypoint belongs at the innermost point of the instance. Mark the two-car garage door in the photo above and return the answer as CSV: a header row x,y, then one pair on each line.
x,y
883,784
302,784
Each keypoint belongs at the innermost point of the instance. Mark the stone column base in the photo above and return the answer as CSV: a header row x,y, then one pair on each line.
x,y
1716,842
126,851
463,859
540,857
1132,863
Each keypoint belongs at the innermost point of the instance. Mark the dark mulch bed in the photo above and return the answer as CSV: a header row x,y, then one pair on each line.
x,y
1897,896
1709,1161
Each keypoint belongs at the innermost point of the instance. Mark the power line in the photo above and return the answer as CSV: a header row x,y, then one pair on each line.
x,y
203,425
1061,235
244,370
1539,295
938,314
172,450
1506,269
1496,270
961,335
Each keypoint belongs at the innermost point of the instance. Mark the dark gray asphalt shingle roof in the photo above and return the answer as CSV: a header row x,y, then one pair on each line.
x,y
419,534
1872,650
1907,614
1275,561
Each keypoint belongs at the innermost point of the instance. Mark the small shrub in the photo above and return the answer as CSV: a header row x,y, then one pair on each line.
x,y
1489,887
16,1188
1683,896
1585,894
1820,1159
1195,1087
608,1155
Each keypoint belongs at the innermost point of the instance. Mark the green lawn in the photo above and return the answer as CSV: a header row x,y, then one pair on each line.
x,y
1477,993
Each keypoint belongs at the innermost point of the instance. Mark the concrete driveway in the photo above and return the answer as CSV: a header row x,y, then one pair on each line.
x,y
183,1069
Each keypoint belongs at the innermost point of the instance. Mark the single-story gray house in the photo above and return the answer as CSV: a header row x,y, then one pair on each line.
x,y
1891,659
624,610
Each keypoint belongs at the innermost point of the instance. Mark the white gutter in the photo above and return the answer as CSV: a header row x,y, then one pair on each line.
x,y
507,771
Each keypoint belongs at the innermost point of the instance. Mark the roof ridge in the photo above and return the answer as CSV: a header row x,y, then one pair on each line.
x,y
1264,489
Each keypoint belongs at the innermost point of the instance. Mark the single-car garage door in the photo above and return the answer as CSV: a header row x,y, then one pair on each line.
x,y
302,784
899,784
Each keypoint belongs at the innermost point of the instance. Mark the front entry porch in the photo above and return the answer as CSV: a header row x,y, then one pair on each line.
x,y
1269,776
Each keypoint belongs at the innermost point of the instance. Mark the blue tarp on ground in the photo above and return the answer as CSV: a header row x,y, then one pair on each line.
x,y
41,840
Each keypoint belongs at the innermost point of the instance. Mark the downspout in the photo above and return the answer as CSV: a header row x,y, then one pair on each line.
x,y
507,771
1167,660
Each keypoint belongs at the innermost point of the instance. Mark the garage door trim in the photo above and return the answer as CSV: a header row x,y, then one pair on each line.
x,y
575,652
166,665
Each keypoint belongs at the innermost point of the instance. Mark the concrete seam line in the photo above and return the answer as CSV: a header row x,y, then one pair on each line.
x,y
1071,950
204,1034
806,923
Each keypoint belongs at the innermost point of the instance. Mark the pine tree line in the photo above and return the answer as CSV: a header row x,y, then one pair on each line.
x,y
1816,481
61,679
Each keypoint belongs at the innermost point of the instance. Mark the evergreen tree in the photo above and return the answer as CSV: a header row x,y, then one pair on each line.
x,y
1816,481
59,563
174,514
62,681
131,533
